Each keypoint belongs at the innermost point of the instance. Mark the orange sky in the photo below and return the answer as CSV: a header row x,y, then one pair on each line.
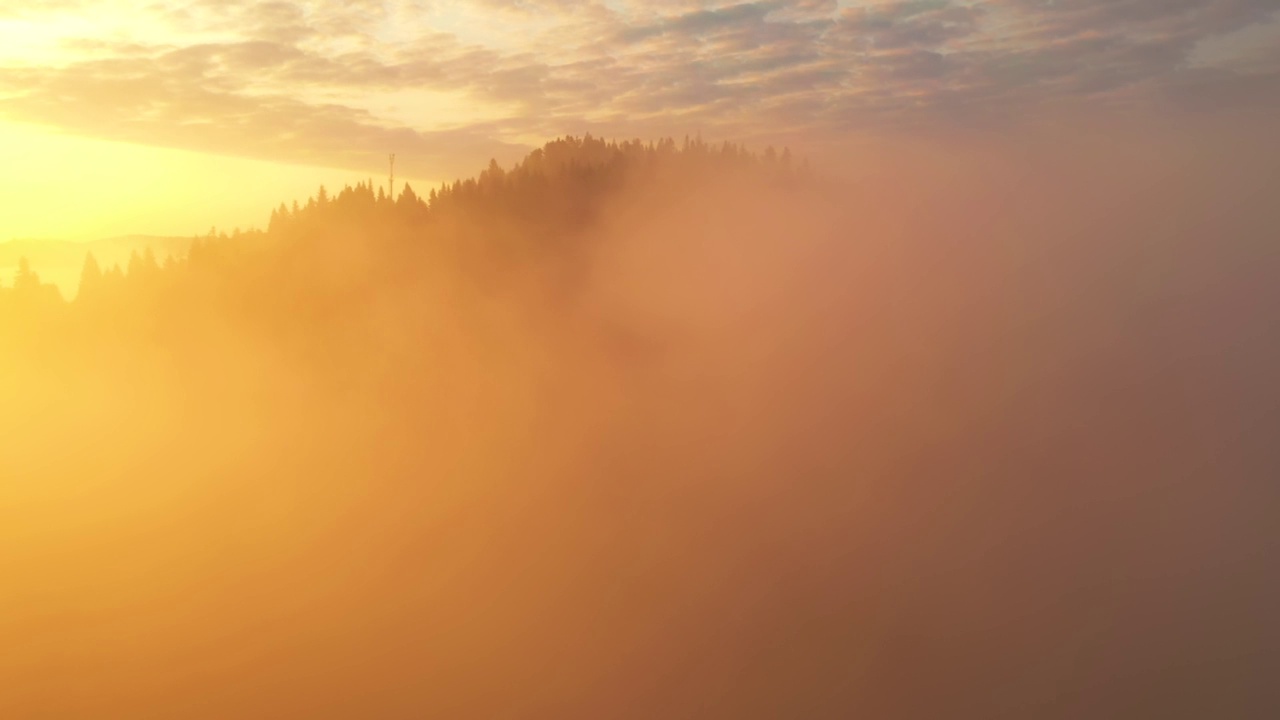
x,y
190,113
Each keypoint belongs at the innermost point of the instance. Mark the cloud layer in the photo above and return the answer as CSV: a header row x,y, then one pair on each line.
x,y
443,82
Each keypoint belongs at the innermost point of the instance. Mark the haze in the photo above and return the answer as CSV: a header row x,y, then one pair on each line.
x,y
780,359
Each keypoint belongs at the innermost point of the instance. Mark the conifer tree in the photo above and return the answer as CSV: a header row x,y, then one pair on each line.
x,y
90,279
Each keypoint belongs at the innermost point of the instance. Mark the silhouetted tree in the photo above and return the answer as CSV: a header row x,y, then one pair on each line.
x,y
90,280
24,280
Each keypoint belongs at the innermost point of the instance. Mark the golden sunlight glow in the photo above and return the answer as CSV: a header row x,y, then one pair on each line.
x,y
58,36
139,189
715,359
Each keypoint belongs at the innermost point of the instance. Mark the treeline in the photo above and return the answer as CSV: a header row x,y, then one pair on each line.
x,y
311,275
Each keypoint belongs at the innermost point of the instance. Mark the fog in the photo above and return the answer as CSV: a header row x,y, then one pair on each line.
x,y
983,433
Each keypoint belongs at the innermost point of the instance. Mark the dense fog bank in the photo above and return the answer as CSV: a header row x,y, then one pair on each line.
x,y
631,432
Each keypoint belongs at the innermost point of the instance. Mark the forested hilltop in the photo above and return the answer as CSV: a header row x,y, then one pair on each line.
x,y
318,260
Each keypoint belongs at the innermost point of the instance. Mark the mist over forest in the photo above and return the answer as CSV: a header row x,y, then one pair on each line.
x,y
669,429
61,262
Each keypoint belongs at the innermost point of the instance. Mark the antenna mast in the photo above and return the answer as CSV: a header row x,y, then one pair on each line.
x,y
391,182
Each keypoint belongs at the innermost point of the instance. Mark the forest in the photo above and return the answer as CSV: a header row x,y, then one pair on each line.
x,y
308,281
641,430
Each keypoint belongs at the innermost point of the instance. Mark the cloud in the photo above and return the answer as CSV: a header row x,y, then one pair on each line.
x,y
700,22
185,98
317,79
910,24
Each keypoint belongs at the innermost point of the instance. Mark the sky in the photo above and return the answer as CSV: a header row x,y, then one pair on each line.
x,y
182,114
